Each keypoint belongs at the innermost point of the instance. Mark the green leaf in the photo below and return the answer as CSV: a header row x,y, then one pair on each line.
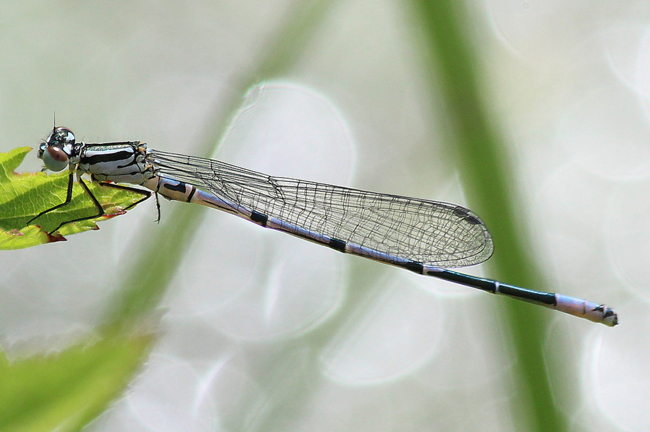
x,y
23,196
66,390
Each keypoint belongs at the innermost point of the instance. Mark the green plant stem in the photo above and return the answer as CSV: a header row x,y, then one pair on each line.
x,y
486,176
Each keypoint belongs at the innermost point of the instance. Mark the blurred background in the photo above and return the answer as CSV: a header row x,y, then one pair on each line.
x,y
255,330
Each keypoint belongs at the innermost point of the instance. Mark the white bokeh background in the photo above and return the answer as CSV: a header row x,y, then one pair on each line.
x,y
261,331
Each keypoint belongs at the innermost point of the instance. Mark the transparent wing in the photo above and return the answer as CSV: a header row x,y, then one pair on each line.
x,y
430,232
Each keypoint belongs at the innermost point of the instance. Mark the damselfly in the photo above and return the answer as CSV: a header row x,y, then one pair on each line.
x,y
423,236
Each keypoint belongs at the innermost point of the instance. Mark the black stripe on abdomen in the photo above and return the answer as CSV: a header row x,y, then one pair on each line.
x,y
414,266
337,244
259,218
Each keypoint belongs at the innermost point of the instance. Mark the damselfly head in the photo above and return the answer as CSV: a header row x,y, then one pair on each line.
x,y
57,149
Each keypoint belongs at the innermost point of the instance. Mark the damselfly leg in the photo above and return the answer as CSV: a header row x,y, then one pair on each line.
x,y
100,209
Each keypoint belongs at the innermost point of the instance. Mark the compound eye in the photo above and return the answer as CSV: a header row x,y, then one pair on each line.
x,y
55,159
61,137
